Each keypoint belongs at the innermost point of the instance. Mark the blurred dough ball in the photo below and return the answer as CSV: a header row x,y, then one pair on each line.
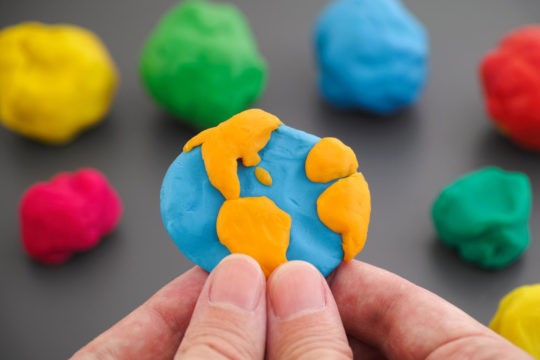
x,y
371,55
201,63
55,81
518,318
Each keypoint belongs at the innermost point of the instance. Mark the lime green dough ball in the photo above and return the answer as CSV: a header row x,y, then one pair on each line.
x,y
485,216
201,63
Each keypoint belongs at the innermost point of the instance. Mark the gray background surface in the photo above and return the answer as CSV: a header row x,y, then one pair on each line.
x,y
48,313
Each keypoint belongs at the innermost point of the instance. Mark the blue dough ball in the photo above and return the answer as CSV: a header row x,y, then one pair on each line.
x,y
371,54
190,204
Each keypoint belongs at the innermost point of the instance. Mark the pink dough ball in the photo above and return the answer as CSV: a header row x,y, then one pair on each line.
x,y
69,214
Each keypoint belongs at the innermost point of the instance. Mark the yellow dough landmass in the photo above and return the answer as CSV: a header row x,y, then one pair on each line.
x,y
240,137
518,318
255,226
55,81
345,208
330,159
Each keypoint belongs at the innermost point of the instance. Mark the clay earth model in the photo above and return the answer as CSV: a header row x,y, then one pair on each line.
x,y
252,185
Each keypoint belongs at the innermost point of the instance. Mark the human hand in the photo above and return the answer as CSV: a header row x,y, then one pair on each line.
x,y
225,315
294,315
387,317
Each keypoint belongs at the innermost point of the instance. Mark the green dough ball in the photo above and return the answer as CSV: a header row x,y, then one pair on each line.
x,y
201,63
485,215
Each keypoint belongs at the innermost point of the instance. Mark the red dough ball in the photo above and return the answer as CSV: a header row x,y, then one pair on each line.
x,y
69,214
511,80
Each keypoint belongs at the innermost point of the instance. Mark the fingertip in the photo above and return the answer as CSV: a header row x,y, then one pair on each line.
x,y
229,319
240,258
303,320
238,281
294,288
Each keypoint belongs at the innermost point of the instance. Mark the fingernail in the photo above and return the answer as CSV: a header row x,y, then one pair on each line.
x,y
296,288
237,281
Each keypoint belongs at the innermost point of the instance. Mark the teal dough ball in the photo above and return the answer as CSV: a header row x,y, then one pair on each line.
x,y
201,63
485,216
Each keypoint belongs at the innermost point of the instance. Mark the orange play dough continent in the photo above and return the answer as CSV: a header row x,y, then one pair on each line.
x,y
330,159
345,207
263,176
255,226
240,137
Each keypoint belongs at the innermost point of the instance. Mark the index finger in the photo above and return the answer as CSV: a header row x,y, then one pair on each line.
x,y
406,321
155,329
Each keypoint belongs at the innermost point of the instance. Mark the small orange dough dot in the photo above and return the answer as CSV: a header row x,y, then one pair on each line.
x,y
345,207
263,176
257,227
330,159
240,137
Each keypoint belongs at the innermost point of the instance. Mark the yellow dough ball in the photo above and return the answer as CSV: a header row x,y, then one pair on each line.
x,y
518,318
55,81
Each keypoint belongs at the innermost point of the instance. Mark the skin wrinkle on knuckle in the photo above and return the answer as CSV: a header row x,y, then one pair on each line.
x,y
314,349
380,309
350,303
468,346
391,328
154,346
213,344
309,335
168,320
319,353
221,336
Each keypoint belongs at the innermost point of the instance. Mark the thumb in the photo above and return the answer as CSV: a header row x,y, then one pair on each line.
x,y
229,320
303,319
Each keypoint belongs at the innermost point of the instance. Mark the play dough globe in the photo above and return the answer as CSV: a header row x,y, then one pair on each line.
x,y
252,185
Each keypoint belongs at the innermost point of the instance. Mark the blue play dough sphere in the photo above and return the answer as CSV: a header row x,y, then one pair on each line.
x,y
371,55
190,204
